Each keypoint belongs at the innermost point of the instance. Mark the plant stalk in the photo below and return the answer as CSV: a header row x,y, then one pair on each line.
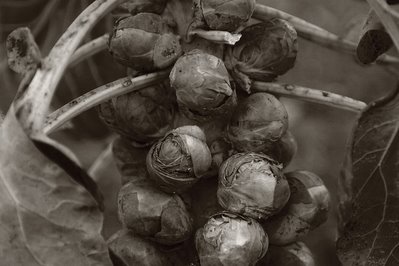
x,y
32,107
98,96
310,95
315,33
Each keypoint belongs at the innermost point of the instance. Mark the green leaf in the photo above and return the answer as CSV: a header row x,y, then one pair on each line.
x,y
46,216
369,233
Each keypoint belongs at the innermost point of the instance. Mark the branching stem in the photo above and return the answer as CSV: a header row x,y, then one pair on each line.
x,y
315,33
89,49
100,95
310,95
33,106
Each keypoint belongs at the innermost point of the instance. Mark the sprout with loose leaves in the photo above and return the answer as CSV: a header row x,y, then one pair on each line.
x,y
177,161
142,116
134,250
307,209
230,240
139,6
144,42
226,15
252,184
202,86
154,214
257,123
265,51
296,254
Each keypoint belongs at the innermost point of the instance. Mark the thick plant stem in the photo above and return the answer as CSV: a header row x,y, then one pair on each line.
x,y
89,49
100,95
315,33
310,95
33,105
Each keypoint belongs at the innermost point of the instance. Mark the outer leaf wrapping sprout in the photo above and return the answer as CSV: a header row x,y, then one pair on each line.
x,y
144,42
296,254
257,123
202,86
253,185
307,209
152,213
134,250
139,6
177,161
228,15
265,51
142,116
230,240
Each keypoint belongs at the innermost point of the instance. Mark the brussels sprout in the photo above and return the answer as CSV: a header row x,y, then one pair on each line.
x,y
257,123
139,6
133,250
306,209
202,86
284,149
229,240
129,160
296,254
228,15
144,42
253,185
177,161
220,151
142,116
265,51
152,213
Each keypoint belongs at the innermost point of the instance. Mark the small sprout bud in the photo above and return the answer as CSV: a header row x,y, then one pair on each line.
x,y
265,51
134,250
296,254
284,149
228,239
154,214
144,42
129,160
142,116
257,123
227,15
177,161
202,86
307,209
253,185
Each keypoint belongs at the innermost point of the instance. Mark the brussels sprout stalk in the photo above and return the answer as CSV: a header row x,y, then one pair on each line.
x,y
100,95
315,33
310,95
89,49
44,83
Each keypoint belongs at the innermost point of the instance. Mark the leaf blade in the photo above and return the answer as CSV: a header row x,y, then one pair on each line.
x,y
46,217
370,188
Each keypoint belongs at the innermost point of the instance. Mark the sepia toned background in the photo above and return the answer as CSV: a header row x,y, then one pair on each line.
x,y
321,131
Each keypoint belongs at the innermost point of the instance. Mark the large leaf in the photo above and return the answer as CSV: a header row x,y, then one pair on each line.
x,y
47,217
369,232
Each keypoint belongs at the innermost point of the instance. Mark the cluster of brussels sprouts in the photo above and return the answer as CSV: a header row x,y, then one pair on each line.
x,y
202,157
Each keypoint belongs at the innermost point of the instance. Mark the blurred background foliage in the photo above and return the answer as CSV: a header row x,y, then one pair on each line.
x,y
321,132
